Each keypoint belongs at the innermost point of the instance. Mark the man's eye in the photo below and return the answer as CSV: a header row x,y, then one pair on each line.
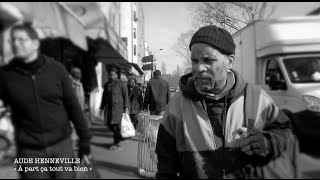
x,y
194,60
209,60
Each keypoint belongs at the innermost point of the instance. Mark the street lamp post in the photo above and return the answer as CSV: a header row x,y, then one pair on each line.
x,y
152,61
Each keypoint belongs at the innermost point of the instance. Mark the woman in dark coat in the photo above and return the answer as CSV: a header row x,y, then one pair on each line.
x,y
136,101
114,103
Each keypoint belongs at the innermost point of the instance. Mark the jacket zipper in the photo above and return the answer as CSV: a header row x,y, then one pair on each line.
x,y
36,96
212,136
224,119
35,91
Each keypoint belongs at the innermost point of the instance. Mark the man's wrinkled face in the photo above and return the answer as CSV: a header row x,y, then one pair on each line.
x,y
22,45
209,67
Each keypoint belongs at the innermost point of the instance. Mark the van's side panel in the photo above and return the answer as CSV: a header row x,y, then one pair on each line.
x,y
245,57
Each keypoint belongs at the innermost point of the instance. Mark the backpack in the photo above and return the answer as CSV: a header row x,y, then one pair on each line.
x,y
284,167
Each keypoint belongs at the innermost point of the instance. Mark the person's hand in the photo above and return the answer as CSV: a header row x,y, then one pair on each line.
x,y
84,149
239,135
126,110
255,144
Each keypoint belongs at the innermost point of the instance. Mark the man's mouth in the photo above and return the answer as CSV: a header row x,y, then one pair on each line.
x,y
203,79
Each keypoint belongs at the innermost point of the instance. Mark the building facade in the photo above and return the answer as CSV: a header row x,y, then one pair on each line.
x,y
132,33
106,34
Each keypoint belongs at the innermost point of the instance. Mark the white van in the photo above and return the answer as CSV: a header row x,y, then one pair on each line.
x,y
282,56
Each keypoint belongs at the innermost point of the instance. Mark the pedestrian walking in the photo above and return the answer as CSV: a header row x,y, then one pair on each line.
x,y
78,89
77,86
157,94
204,132
114,103
135,101
144,89
40,94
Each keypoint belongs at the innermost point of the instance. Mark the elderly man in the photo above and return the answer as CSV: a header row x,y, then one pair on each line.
x,y
204,132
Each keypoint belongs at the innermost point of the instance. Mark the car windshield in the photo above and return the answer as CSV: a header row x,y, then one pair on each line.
x,y
303,70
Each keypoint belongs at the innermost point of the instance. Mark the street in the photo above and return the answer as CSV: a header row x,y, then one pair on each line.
x,y
122,164
118,164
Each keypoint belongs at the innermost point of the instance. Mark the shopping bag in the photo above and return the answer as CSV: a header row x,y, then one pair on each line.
x,y
92,173
126,127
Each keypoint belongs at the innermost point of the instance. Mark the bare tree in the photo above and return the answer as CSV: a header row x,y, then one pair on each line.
x,y
181,47
230,15
178,71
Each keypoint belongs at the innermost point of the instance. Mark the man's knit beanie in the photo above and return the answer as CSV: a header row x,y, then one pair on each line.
x,y
217,37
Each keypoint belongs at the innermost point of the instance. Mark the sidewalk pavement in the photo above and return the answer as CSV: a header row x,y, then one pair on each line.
x,y
117,164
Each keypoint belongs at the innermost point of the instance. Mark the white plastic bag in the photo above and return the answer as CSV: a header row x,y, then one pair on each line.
x,y
126,127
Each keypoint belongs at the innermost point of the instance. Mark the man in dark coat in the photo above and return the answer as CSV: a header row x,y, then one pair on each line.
x,y
135,99
114,103
40,95
157,94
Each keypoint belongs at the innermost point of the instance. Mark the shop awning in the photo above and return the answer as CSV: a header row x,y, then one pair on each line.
x,y
54,19
112,49
9,15
136,66
104,52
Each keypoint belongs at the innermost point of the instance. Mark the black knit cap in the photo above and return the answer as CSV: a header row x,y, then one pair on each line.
x,y
217,37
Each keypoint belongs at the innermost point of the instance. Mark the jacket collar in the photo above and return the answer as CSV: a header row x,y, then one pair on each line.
x,y
15,66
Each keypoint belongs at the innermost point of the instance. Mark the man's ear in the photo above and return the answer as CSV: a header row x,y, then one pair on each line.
x,y
230,60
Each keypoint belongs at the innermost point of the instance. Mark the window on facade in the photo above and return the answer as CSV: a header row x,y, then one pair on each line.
x,y
134,50
125,40
135,33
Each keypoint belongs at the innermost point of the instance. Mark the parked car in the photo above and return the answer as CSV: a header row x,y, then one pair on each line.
x,y
172,89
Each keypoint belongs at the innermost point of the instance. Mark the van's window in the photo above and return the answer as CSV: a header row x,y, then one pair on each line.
x,y
273,68
303,70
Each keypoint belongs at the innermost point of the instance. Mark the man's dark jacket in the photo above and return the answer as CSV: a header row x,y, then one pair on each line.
x,y
114,100
42,103
157,94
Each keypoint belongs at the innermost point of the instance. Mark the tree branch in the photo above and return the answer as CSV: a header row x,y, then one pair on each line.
x,y
230,15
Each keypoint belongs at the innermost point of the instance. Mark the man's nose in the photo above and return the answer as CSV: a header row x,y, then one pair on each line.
x,y
201,67
15,43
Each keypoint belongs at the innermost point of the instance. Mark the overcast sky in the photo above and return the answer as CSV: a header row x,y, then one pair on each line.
x,y
164,21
